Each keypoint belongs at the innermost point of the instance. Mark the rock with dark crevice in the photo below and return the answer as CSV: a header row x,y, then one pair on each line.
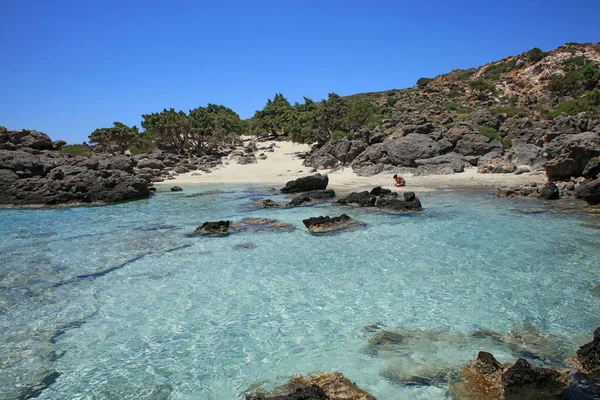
x,y
588,355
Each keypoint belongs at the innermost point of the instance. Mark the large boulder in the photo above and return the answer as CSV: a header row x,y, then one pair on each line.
x,y
483,117
523,153
550,192
592,169
589,191
477,145
33,139
406,150
361,199
334,152
306,183
568,155
117,162
152,163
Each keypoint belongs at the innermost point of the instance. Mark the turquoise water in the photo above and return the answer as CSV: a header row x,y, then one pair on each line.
x,y
117,302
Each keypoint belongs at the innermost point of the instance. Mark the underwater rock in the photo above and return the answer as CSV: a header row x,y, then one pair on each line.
x,y
330,224
306,184
261,225
176,189
245,246
486,378
267,203
526,340
417,375
308,393
334,386
213,228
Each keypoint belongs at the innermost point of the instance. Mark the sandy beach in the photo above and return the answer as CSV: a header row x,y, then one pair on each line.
x,y
283,165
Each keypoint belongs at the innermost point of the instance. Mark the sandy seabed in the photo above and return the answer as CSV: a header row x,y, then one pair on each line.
x,y
283,165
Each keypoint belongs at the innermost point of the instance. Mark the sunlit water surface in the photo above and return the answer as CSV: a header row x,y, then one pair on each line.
x,y
117,302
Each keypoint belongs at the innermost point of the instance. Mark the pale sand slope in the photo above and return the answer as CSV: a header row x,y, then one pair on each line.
x,y
282,166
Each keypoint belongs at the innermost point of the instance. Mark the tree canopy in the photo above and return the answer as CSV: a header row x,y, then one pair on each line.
x,y
118,138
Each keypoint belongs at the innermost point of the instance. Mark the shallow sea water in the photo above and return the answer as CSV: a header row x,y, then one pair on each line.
x,y
116,302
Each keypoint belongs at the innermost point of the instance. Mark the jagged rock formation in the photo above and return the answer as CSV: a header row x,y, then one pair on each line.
x,y
33,172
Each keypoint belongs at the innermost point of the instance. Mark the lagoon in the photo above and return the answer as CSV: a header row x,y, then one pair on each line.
x,y
118,302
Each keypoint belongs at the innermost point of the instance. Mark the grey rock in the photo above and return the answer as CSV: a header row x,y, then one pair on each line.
x,y
306,184
477,145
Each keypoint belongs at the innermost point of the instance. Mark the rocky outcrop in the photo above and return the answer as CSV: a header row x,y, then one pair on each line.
x,y
477,145
334,386
217,228
549,192
588,355
410,203
361,199
330,224
569,155
314,196
486,378
589,191
334,153
306,184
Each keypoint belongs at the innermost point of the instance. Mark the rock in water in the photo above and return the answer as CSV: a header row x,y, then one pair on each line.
x,y
176,189
334,386
588,355
549,192
486,378
329,224
589,191
213,228
306,184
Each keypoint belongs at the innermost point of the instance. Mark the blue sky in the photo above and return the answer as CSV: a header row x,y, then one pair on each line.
x,y
69,67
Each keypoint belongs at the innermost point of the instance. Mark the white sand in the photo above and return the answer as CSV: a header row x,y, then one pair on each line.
x,y
282,166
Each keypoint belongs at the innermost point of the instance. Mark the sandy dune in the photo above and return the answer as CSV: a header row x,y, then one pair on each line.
x,y
282,165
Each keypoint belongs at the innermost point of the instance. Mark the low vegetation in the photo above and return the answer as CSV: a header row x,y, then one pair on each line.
x,y
493,134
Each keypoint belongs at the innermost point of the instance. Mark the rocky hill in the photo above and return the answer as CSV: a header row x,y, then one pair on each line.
x,y
534,111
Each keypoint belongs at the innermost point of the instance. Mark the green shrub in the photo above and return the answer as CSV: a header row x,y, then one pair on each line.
x,y
536,54
391,101
481,86
341,134
390,94
450,106
493,134
563,85
495,70
465,75
513,100
463,116
572,63
455,92
372,126
422,82
593,98
76,150
509,111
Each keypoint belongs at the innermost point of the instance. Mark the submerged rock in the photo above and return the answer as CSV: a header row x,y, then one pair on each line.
x,y
261,225
213,228
486,378
312,197
330,224
334,386
306,184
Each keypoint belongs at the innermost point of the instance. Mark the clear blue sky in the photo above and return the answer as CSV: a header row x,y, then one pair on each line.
x,y
68,67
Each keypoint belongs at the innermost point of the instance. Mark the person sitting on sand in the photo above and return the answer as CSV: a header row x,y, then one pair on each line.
x,y
399,181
